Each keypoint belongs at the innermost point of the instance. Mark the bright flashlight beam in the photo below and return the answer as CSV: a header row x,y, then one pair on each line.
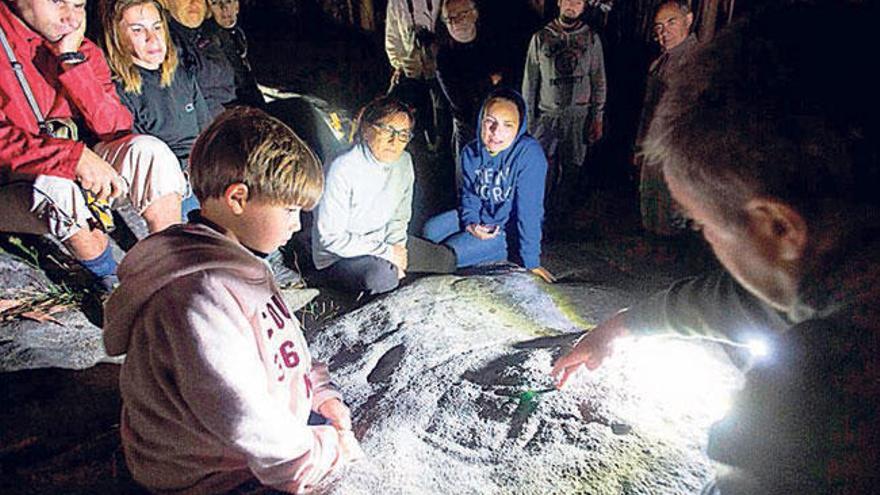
x,y
758,348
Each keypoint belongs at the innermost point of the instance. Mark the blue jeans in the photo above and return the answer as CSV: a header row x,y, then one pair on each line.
x,y
446,228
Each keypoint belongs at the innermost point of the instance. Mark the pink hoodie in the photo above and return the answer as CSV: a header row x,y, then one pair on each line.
x,y
218,383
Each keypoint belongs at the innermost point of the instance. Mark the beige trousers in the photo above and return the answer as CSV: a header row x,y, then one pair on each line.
x,y
52,205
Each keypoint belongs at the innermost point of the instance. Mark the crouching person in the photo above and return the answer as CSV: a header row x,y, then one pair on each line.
x,y
218,384
502,194
359,240
44,168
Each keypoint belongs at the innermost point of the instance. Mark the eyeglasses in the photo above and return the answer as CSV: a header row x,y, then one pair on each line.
x,y
386,131
462,16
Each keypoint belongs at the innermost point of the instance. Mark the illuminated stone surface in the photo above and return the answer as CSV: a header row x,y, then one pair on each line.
x,y
435,375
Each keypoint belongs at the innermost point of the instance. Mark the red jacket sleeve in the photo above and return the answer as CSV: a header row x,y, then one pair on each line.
x,y
26,153
89,88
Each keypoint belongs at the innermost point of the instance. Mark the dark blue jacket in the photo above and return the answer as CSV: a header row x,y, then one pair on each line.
x,y
507,185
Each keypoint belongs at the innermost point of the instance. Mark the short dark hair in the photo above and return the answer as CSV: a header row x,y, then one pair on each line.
x,y
769,109
246,145
378,109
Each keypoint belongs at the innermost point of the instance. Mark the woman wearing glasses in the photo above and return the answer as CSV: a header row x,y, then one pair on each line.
x,y
359,238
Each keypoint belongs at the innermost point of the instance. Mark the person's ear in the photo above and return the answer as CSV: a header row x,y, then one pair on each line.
x,y
689,19
236,197
782,228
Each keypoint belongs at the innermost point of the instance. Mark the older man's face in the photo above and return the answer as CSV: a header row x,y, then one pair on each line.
x,y
460,17
190,13
225,12
52,19
671,26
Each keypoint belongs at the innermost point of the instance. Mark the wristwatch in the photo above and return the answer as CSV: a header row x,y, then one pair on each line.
x,y
72,58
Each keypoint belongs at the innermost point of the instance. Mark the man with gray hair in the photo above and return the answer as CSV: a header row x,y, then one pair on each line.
x,y
672,25
564,88
467,70
777,163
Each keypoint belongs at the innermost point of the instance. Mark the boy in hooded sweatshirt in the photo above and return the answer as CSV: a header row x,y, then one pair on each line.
x,y
218,384
503,180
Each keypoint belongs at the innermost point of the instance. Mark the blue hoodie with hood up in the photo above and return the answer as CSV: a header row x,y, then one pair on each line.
x,y
507,185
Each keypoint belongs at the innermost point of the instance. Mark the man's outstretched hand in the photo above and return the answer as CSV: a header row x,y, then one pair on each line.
x,y
591,350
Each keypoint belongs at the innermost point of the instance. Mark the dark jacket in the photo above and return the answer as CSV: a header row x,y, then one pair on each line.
x,y
234,44
176,114
806,421
200,52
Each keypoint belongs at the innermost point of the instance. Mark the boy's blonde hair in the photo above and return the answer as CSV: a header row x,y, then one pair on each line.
x,y
248,146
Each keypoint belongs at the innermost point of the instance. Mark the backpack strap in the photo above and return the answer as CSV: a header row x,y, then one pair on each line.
x,y
22,81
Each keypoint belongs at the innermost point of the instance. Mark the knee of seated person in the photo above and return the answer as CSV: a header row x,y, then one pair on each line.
x,y
61,205
153,147
154,171
380,278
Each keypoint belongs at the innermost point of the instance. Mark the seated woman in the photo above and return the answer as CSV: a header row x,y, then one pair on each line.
x,y
503,179
359,239
164,101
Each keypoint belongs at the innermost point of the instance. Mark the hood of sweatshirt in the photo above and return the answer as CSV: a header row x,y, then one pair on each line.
x,y
163,258
508,94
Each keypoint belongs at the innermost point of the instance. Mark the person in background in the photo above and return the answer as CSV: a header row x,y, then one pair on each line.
x,y
164,100
777,164
201,52
46,169
359,239
564,88
410,43
465,71
235,46
218,383
672,25
502,196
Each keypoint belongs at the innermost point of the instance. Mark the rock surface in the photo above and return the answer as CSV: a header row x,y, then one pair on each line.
x,y
434,375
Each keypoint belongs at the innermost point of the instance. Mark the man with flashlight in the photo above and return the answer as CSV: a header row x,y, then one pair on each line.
x,y
777,163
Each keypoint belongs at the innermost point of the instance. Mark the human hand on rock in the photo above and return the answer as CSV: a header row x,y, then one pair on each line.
x,y
336,413
591,350
350,448
544,274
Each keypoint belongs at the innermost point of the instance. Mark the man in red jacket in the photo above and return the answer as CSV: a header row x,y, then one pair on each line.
x,y
43,176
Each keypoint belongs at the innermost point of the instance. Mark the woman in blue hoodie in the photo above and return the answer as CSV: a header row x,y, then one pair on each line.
x,y
503,187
